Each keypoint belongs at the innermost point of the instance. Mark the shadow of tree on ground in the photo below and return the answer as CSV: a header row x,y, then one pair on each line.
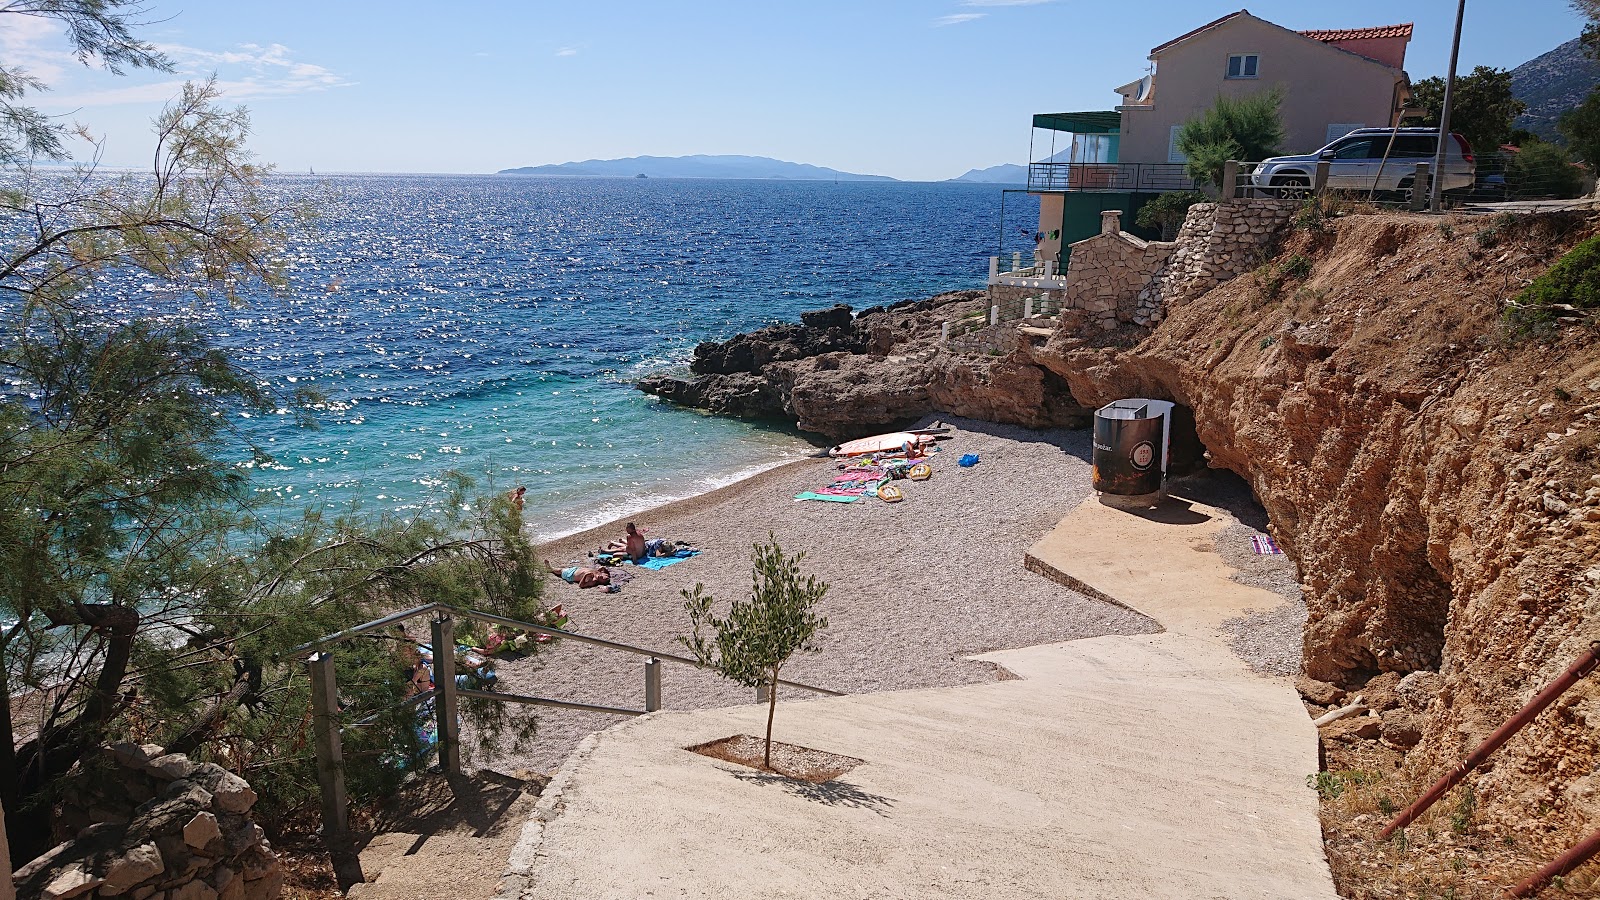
x,y
832,793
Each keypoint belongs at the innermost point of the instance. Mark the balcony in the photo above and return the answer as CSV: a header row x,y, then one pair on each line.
x,y
1096,177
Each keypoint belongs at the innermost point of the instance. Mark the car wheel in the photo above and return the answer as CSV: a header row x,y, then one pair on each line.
x,y
1292,186
1404,189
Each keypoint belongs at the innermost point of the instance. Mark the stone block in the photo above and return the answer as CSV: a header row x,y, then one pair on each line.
x,y
200,831
233,794
171,767
193,890
71,882
265,888
133,867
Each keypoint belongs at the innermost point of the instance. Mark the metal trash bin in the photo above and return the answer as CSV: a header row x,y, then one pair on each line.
x,y
1130,446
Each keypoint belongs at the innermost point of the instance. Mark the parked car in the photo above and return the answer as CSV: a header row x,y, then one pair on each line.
x,y
1381,160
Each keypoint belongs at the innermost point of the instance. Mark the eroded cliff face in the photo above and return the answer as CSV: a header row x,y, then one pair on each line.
x,y
1433,476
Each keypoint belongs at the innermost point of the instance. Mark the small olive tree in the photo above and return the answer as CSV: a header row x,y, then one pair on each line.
x,y
755,640
1243,128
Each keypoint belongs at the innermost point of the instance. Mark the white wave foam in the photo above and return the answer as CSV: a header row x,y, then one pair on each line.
x,y
613,509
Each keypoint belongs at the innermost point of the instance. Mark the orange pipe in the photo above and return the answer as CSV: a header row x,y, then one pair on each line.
x,y
1582,666
1561,865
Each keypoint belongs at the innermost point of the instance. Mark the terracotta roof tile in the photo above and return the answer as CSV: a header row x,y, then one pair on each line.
x,y
1356,34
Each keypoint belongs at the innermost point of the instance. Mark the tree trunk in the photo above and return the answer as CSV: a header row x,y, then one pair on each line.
x,y
47,756
772,707
189,740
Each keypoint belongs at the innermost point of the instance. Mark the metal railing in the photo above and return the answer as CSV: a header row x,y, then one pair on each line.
x,y
325,707
1109,177
1020,264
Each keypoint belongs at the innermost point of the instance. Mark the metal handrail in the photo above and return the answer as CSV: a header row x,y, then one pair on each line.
x,y
1108,176
340,637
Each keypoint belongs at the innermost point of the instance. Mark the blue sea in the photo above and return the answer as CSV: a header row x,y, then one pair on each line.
x,y
495,325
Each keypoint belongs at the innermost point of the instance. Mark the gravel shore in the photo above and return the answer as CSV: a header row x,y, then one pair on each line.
x,y
915,587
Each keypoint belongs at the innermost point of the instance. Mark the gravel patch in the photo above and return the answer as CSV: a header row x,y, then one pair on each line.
x,y
916,586
1268,640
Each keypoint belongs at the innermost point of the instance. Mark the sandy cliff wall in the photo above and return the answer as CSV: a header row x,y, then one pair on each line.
x,y
1433,476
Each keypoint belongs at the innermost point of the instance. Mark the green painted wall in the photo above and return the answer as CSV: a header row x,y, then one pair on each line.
x,y
1080,216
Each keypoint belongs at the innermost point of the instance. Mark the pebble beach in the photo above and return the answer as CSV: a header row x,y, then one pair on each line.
x,y
916,587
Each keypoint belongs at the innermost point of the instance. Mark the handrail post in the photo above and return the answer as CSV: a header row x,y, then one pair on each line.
x,y
444,707
994,268
1319,181
1016,260
652,684
330,769
994,315
1230,180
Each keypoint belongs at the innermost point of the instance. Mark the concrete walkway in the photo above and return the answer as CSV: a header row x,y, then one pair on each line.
x,y
1150,766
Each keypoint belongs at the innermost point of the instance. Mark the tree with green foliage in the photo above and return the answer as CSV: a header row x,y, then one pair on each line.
x,y
1540,169
142,595
1244,128
755,640
1165,212
1581,127
1481,108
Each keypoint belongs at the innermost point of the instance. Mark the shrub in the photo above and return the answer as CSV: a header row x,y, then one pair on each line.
x,y
1543,170
1574,281
1246,128
1167,211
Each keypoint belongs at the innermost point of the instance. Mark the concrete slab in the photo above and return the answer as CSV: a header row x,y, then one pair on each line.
x,y
1149,766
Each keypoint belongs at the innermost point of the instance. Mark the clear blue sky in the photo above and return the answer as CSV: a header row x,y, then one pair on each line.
x,y
917,90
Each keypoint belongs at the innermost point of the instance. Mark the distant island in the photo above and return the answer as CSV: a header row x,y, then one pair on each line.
x,y
1005,173
694,167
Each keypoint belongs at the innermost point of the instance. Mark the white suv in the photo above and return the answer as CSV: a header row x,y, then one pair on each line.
x,y
1372,159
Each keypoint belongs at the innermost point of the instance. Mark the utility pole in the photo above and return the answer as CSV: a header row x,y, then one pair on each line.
x,y
1436,177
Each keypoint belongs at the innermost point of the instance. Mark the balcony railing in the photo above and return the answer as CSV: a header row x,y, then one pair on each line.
x,y
1108,177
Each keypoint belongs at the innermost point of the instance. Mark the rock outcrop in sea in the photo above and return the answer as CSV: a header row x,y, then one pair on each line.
x,y
843,375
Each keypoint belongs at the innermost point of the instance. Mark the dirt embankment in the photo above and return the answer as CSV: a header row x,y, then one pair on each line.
x,y
1434,477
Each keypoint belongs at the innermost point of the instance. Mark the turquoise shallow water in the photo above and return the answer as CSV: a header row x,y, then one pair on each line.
x,y
496,324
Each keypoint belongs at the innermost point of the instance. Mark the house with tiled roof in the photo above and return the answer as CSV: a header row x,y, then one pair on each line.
x,y
1332,81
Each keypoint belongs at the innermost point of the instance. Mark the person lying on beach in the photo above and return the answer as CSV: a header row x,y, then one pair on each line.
x,y
582,576
633,544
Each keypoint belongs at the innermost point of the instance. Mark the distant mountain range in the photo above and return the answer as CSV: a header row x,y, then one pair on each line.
x,y
1551,84
1005,173
699,166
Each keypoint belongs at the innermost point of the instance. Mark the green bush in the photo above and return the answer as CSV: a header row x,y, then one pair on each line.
x,y
1167,211
1543,170
1246,128
1573,281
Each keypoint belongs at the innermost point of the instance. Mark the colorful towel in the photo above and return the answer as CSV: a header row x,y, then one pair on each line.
x,y
1264,545
661,562
831,498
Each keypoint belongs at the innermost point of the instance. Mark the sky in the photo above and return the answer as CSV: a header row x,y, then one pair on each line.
x,y
916,89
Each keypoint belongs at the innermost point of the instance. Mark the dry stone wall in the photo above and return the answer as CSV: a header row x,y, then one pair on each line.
x,y
1108,271
149,825
1217,243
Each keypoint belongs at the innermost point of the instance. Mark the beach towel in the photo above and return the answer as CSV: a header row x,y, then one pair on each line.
x,y
1264,545
661,562
831,498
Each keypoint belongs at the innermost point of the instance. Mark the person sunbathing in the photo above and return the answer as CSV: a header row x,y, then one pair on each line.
x,y
633,545
582,576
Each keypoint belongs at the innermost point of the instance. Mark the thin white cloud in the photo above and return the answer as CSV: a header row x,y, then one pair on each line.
x,y
246,72
37,45
956,19
481,53
567,51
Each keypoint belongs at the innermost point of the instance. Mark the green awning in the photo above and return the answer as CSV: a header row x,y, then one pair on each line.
x,y
1096,122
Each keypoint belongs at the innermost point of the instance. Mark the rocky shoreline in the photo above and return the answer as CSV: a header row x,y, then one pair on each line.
x,y
843,374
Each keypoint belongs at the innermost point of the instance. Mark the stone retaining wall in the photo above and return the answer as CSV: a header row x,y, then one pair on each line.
x,y
1108,271
1218,242
147,825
